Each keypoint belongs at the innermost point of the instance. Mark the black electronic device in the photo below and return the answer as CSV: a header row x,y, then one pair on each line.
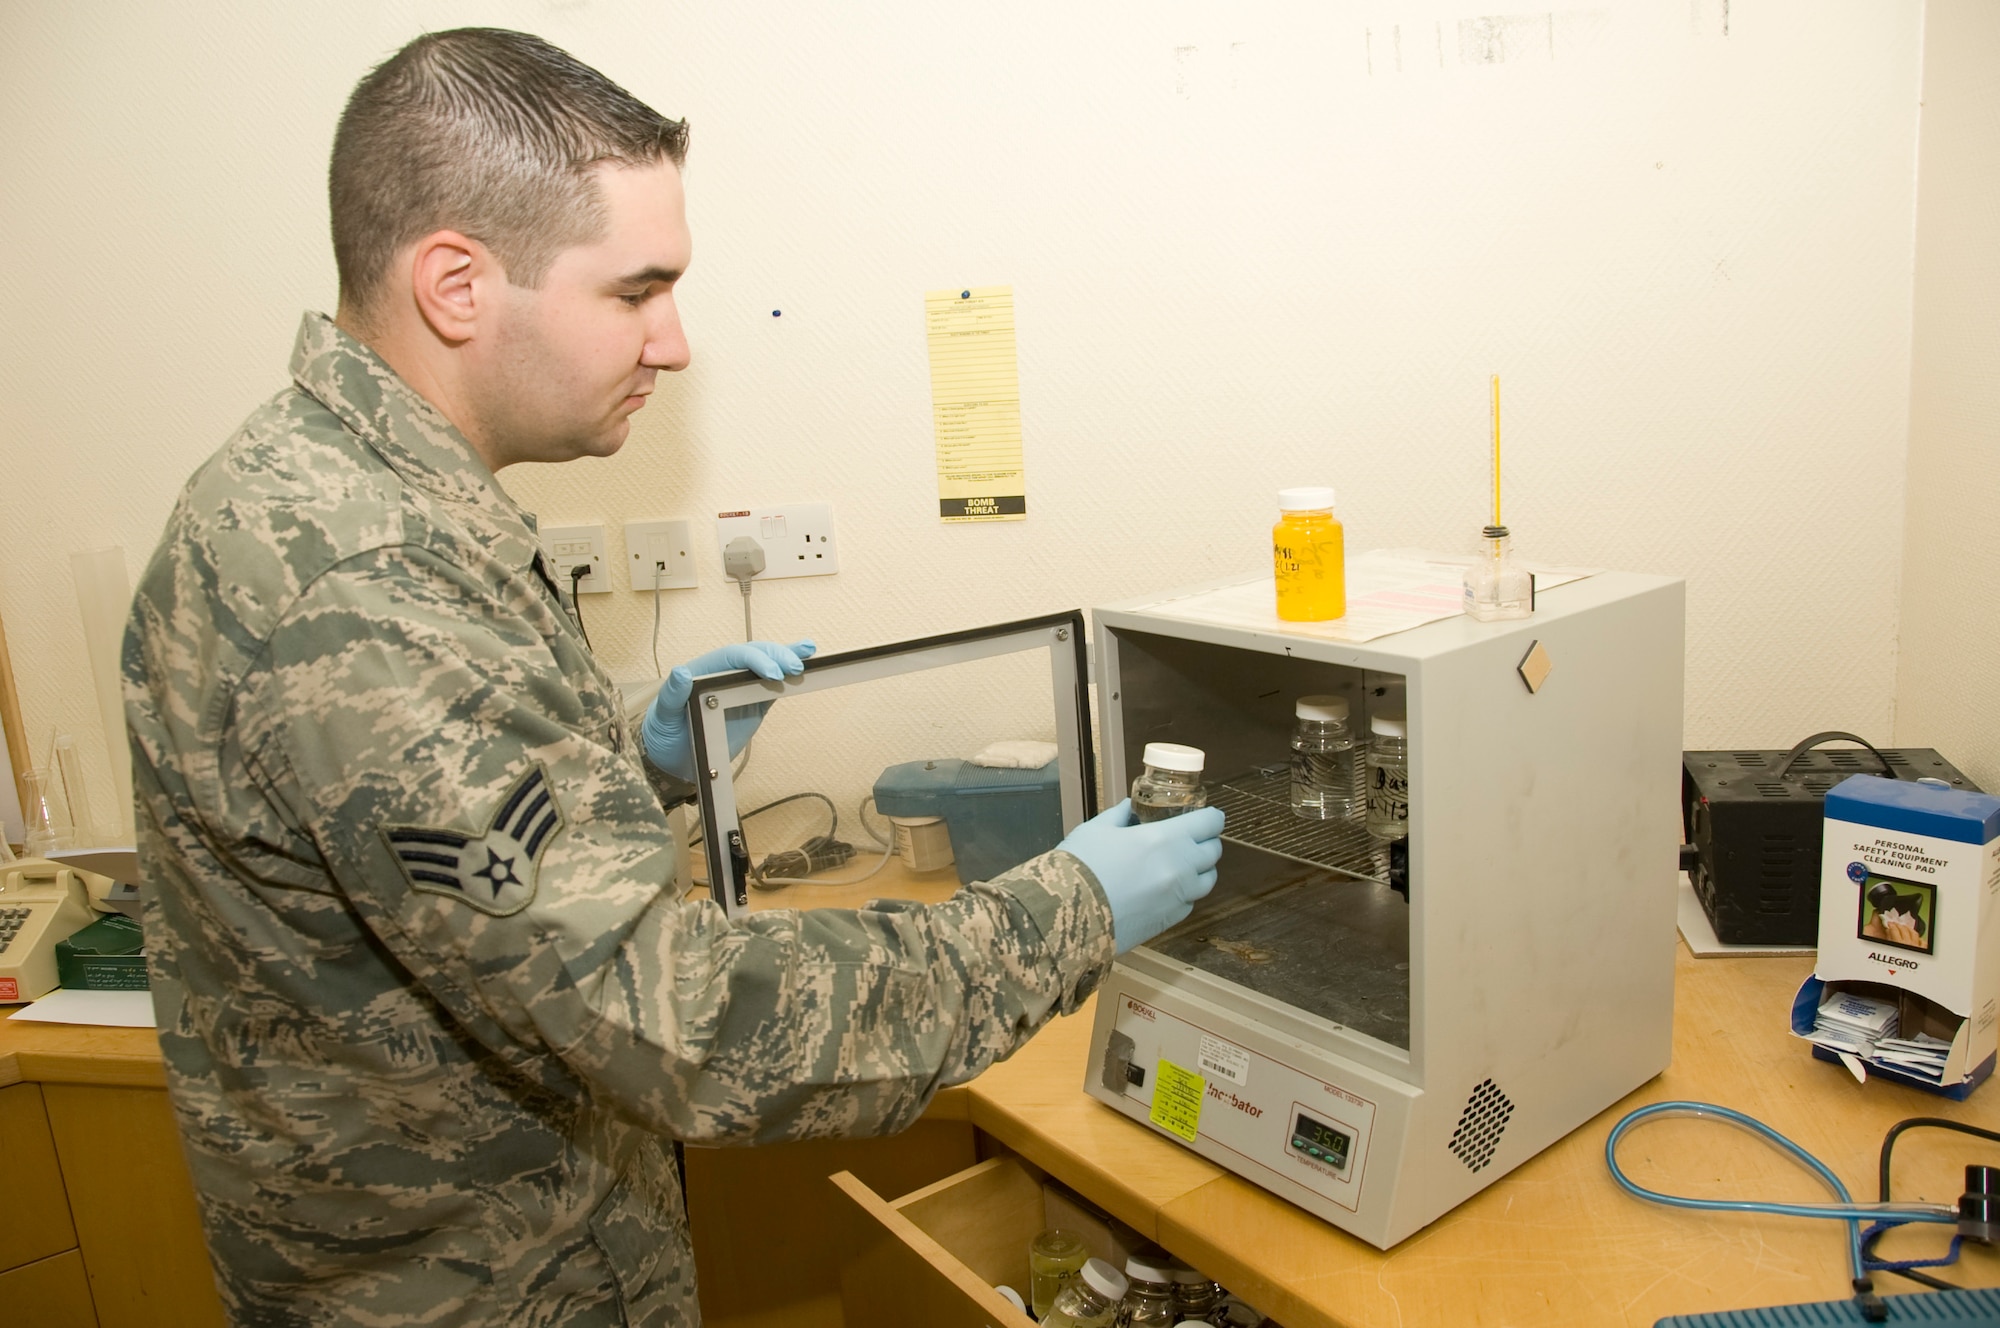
x,y
1752,820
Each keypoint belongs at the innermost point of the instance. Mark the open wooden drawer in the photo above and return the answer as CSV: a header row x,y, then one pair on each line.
x,y
931,1258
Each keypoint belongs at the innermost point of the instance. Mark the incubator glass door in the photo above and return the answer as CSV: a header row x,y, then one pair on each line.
x,y
944,760
1311,913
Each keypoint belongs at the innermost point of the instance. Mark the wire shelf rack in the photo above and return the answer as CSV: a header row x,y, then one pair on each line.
x,y
1257,805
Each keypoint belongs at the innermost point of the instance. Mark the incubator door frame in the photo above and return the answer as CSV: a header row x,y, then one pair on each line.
x,y
1063,635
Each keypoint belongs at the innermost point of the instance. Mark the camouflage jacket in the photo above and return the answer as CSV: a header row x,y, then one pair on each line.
x,y
427,999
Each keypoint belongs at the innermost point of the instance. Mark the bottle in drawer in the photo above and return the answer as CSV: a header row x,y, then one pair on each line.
x,y
1149,1292
1091,1301
1055,1259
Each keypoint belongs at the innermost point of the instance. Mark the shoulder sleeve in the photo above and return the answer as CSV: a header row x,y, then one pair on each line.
x,y
500,838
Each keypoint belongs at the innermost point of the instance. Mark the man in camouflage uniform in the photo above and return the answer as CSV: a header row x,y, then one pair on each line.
x,y
429,1005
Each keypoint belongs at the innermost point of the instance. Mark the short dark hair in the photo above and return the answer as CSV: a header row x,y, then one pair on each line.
x,y
488,132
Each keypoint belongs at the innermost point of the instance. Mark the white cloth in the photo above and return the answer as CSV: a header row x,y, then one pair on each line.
x,y
1016,754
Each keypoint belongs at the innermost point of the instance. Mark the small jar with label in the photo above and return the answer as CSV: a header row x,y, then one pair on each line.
x,y
1308,555
1091,1301
1149,1292
1055,1259
1170,784
1388,777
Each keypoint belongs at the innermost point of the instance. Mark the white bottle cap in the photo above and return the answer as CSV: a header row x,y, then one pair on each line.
x,y
1012,1297
1173,756
1190,1276
1105,1280
1144,1268
1323,709
1315,499
1389,726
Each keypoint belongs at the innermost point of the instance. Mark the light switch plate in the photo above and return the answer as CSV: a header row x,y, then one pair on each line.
x,y
797,538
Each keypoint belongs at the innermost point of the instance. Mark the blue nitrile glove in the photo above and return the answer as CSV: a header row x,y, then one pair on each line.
x,y
1151,873
665,735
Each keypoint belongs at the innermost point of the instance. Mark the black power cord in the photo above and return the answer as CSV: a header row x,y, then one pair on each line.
x,y
576,575
1882,1178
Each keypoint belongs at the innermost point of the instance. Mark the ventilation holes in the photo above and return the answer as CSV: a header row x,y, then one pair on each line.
x,y
1480,1124
1749,759
1845,759
1773,790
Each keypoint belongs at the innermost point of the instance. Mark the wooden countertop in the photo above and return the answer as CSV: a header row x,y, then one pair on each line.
x,y
1555,1242
79,1054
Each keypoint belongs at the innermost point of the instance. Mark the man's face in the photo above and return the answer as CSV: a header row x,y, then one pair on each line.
x,y
572,361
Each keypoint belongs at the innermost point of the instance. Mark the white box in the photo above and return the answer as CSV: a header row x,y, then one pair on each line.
x,y
1372,1056
1910,903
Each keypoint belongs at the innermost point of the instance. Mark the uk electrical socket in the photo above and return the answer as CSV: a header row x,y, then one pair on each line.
x,y
662,548
797,537
567,546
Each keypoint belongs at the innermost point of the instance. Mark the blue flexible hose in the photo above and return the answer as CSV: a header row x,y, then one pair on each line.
x,y
1846,1210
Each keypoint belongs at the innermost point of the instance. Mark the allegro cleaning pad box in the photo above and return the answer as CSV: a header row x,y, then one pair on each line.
x,y
1909,918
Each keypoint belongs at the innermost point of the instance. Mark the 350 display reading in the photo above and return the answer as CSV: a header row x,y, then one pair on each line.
x,y
1320,1142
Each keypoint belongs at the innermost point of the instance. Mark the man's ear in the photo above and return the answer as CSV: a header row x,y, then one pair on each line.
x,y
451,278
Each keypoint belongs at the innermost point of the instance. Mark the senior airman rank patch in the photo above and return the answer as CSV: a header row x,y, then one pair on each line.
x,y
494,872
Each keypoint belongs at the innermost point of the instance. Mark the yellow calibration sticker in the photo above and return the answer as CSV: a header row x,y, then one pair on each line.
x,y
1177,1097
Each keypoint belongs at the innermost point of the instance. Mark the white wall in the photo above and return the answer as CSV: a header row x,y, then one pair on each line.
x,y
1252,244
1948,685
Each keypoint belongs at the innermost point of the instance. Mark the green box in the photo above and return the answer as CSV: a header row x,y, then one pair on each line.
x,y
108,955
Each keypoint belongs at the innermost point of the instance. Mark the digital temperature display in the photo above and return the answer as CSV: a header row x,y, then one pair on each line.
x,y
1321,1142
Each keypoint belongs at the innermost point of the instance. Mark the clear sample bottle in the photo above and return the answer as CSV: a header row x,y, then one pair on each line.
x,y
1496,587
1055,1259
1149,1292
1309,557
1197,1299
1089,1302
1171,782
1326,761
1388,777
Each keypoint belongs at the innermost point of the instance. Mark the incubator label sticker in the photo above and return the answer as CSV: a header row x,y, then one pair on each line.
x,y
1177,1095
1224,1060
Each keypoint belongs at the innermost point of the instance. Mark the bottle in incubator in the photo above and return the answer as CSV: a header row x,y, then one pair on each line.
x,y
1149,1292
1388,777
1309,557
1171,782
1326,761
1092,1301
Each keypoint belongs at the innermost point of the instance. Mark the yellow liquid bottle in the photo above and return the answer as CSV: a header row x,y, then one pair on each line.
x,y
1309,555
